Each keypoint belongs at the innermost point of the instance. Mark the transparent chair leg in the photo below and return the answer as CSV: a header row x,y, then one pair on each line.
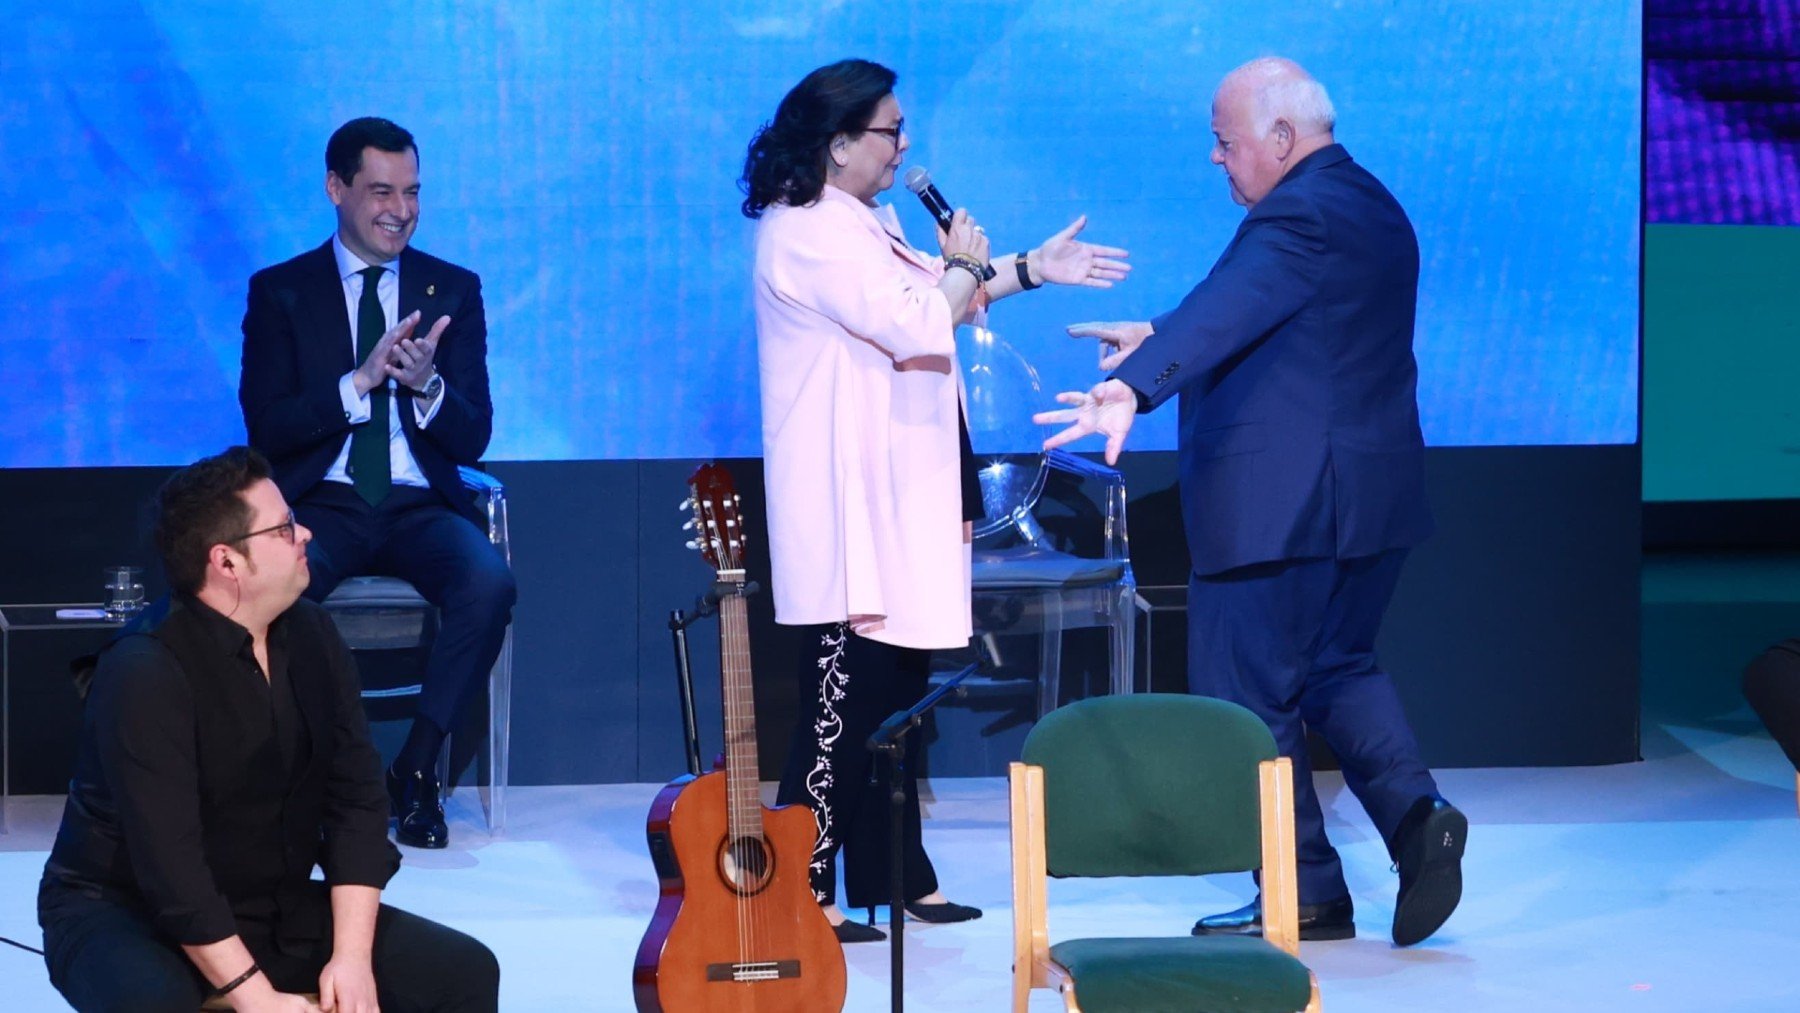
x,y
499,734
1050,657
1123,637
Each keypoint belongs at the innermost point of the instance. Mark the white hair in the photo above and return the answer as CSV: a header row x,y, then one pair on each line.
x,y
1283,90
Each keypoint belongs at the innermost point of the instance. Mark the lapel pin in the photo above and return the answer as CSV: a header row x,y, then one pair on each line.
x,y
431,290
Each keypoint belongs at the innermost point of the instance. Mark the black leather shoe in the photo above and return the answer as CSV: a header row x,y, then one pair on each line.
x,y
1334,919
418,813
1428,848
851,932
941,914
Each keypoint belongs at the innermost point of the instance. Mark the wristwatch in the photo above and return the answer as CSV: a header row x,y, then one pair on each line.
x,y
433,387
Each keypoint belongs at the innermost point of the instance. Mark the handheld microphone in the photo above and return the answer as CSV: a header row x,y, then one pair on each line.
x,y
919,182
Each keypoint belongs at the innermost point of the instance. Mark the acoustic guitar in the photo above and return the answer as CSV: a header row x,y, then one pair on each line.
x,y
736,928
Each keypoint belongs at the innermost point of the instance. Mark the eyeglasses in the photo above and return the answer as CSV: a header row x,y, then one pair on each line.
x,y
285,529
891,133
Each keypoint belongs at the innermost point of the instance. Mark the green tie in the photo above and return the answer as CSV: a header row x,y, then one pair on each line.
x,y
370,471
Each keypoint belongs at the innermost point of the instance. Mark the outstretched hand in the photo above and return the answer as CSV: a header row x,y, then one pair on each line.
x,y
1066,260
1118,338
1109,409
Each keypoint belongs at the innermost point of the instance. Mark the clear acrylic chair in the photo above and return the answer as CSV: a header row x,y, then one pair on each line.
x,y
1027,578
386,613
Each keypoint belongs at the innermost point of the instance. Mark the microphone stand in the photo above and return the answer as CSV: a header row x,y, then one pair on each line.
x,y
889,741
679,622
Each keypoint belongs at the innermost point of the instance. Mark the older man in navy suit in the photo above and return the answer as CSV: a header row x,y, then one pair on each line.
x,y
1302,477
365,384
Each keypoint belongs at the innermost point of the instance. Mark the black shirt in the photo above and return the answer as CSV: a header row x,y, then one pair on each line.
x,y
970,471
205,794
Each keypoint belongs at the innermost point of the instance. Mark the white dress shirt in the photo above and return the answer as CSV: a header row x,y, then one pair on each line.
x,y
404,467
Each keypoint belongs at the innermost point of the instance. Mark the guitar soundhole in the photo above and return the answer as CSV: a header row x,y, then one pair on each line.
x,y
746,864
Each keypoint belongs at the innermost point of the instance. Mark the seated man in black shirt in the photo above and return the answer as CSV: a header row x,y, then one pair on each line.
x,y
223,755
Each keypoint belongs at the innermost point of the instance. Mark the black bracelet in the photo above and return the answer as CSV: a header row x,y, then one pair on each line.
x,y
239,980
1024,271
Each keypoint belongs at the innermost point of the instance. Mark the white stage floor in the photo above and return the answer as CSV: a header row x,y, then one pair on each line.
x,y
1666,885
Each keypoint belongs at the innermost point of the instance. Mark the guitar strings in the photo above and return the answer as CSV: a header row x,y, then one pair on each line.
x,y
740,780
733,773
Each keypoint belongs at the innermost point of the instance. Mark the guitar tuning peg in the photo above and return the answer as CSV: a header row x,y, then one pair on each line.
x,y
693,544
686,504
689,526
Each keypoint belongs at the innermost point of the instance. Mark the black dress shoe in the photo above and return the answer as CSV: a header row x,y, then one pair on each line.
x,y
1335,919
1428,848
850,932
941,914
418,814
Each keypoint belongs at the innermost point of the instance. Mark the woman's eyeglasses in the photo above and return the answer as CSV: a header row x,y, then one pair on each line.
x,y
891,133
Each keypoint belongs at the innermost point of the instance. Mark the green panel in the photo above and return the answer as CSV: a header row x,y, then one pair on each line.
x,y
1721,362
1152,784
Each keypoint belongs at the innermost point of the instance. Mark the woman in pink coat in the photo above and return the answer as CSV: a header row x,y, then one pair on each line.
x,y
871,480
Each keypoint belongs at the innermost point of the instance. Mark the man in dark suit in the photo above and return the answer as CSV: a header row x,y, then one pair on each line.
x,y
223,755
1302,478
366,422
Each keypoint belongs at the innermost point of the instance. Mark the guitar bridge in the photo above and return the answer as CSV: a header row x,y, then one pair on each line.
x,y
753,970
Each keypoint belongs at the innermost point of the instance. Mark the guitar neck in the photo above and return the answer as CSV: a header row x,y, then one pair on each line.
x,y
741,771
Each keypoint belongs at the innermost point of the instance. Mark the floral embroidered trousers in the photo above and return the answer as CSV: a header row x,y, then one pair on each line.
x,y
849,685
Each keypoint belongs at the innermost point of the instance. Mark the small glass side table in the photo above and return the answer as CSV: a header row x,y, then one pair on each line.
x,y
17,619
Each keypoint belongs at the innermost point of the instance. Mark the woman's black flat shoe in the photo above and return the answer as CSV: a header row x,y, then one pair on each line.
x,y
942,914
850,932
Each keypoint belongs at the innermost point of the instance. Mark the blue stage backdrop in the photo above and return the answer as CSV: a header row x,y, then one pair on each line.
x,y
582,157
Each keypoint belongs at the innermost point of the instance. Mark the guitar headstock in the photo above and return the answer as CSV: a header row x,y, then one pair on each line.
x,y
718,532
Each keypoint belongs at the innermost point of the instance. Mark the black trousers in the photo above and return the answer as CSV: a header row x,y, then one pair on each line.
x,y
848,686
1772,685
413,535
108,958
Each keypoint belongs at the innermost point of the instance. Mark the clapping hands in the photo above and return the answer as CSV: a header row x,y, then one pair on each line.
x,y
399,355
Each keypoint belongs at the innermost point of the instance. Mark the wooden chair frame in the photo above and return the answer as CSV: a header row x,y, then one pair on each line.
x,y
1032,965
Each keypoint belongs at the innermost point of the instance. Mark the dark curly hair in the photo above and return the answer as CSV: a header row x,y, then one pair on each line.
x,y
201,506
786,160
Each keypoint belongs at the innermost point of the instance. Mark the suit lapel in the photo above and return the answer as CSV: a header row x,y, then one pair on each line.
x,y
871,220
326,295
906,252
899,245
414,281
418,290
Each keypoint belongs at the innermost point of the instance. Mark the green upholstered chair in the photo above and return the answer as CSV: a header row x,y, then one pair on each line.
x,y
1156,784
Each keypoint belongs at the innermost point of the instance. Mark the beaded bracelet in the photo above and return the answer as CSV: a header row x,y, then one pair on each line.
x,y
969,264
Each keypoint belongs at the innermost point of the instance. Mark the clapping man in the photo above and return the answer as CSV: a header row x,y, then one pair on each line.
x,y
365,383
